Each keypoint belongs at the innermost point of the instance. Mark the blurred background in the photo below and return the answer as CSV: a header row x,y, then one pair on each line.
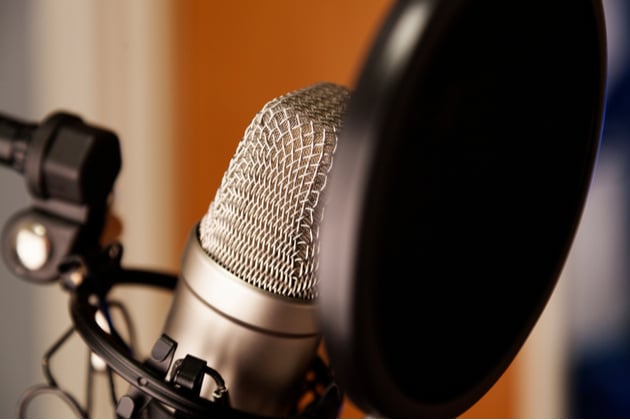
x,y
179,82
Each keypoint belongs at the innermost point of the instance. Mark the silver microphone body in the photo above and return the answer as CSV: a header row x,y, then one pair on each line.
x,y
260,344
247,289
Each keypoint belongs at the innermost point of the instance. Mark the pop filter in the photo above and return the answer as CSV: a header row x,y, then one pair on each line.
x,y
458,184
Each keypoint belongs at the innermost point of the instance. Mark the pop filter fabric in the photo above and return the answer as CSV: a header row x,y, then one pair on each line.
x,y
457,186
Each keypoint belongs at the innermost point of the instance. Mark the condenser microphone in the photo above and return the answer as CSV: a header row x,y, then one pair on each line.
x,y
245,298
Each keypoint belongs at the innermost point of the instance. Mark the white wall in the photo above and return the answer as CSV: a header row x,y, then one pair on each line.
x,y
19,364
109,62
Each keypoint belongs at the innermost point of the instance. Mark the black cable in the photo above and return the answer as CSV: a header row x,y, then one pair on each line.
x,y
38,390
103,306
112,386
51,386
52,350
89,384
131,330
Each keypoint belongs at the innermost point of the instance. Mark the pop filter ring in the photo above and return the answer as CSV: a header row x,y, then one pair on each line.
x,y
459,179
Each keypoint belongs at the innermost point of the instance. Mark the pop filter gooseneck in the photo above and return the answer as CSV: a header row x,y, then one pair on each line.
x,y
458,184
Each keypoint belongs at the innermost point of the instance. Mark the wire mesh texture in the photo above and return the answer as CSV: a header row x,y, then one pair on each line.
x,y
263,224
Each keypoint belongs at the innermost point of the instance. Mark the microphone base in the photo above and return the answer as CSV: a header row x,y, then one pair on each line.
x,y
261,343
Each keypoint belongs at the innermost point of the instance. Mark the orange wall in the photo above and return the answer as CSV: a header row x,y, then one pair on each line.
x,y
231,58
234,56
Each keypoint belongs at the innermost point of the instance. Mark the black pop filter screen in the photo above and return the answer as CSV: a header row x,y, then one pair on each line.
x,y
476,156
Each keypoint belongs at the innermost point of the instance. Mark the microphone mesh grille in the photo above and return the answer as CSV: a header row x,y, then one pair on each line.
x,y
263,224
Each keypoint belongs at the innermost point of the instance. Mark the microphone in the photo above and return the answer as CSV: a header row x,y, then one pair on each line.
x,y
245,302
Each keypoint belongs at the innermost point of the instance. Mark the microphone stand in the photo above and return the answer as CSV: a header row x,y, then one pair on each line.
x,y
70,169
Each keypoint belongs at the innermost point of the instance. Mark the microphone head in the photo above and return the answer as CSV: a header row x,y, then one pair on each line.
x,y
263,223
245,302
